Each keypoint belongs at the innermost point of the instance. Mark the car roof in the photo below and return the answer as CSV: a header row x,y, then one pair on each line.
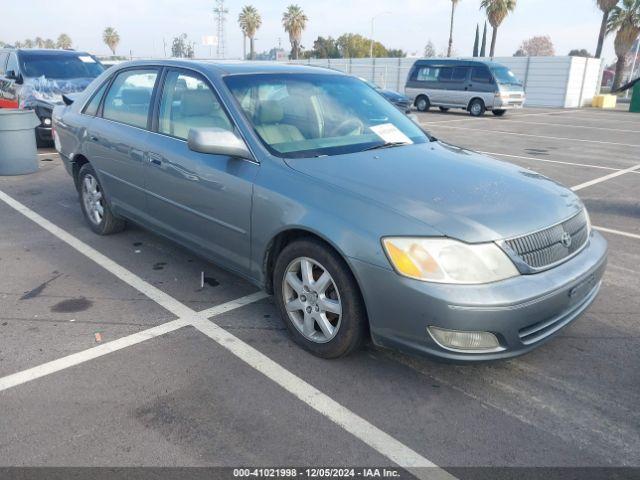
x,y
47,51
457,62
231,67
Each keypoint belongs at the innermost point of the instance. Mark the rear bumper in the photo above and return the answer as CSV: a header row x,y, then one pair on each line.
x,y
522,312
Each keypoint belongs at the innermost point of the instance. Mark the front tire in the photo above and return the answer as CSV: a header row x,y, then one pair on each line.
x,y
477,108
499,113
94,204
423,104
318,299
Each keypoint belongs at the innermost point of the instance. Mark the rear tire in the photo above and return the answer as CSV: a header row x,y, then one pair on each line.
x,y
444,109
499,113
423,104
477,108
94,205
318,299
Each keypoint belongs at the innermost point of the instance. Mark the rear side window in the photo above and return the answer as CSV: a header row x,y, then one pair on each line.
x,y
129,98
481,75
427,74
445,74
92,107
460,74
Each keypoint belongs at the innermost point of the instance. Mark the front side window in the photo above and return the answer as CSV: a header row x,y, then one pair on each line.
x,y
311,115
188,102
129,97
481,75
12,64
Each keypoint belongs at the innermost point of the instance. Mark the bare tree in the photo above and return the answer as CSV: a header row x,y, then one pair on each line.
x,y
540,46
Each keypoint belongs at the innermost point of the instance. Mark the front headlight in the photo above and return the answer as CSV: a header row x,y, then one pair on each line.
x,y
444,260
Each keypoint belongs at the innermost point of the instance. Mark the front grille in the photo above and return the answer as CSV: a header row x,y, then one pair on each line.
x,y
546,247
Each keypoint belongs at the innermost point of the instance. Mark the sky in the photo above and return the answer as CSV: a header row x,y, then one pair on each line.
x,y
144,25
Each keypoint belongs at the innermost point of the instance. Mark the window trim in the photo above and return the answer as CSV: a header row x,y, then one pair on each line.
x,y
157,68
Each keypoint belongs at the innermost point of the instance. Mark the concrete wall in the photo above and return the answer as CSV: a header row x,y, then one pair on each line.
x,y
560,82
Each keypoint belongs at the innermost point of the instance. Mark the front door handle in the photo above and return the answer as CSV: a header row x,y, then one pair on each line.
x,y
155,159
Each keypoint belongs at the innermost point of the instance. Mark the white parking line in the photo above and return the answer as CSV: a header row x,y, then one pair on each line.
x,y
551,161
81,357
502,132
618,232
369,434
605,178
593,127
519,115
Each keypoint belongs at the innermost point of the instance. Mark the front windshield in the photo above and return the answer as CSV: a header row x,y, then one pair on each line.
x,y
59,67
504,76
310,115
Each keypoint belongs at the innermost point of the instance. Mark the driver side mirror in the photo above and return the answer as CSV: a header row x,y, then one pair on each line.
x,y
12,75
218,141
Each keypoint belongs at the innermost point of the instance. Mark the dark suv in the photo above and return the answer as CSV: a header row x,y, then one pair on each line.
x,y
37,79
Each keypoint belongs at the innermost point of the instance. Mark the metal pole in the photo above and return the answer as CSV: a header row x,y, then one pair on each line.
x,y
633,66
372,20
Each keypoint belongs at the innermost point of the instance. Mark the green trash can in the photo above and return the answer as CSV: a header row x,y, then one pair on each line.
x,y
635,99
18,151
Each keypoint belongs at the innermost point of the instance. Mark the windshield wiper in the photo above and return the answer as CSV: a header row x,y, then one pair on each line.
x,y
386,145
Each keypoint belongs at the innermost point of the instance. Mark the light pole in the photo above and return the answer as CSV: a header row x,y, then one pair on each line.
x,y
372,20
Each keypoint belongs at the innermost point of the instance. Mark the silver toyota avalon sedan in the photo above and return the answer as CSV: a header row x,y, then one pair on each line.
x,y
311,185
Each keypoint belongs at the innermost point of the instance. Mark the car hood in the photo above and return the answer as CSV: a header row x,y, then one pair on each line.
x,y
395,96
460,193
43,90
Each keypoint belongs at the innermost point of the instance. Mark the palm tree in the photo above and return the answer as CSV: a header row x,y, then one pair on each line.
x,y
625,19
294,22
64,42
39,42
454,4
111,38
606,6
497,11
250,21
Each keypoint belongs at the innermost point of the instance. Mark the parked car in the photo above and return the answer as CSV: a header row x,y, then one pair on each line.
x,y
474,86
312,186
37,79
401,101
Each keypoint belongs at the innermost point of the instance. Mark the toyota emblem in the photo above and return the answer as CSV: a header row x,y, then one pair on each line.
x,y
566,240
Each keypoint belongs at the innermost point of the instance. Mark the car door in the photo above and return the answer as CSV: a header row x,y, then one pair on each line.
x,y
8,86
118,136
204,200
481,85
458,87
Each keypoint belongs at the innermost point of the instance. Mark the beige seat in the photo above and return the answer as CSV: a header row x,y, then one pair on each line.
x,y
271,129
198,109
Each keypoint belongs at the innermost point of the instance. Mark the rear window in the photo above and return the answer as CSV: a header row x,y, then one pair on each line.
x,y
61,67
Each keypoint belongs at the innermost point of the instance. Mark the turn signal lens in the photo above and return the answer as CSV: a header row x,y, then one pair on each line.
x,y
402,261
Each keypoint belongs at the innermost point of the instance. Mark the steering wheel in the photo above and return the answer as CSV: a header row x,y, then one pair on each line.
x,y
350,126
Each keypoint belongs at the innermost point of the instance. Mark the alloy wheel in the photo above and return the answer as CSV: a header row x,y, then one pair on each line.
x,y
93,199
312,300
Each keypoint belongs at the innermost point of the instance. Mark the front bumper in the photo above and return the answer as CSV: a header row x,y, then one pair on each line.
x,y
522,312
508,103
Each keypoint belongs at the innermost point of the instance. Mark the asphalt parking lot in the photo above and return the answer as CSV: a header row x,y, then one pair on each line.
x,y
107,359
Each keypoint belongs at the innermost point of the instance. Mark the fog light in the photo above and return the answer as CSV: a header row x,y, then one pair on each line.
x,y
46,122
468,342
